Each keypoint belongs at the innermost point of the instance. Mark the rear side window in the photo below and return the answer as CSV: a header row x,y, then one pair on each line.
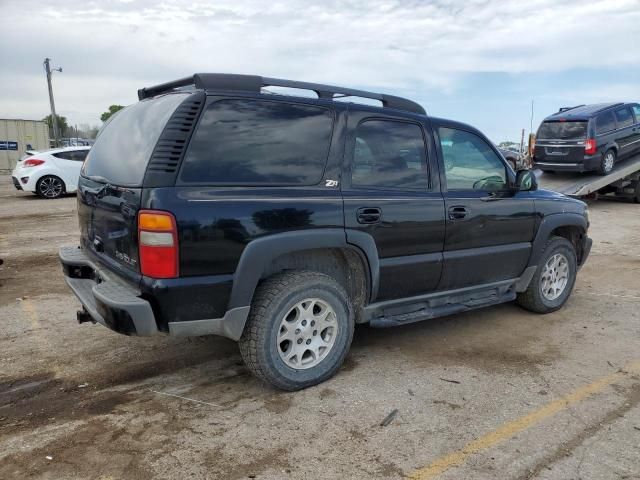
x,y
636,111
259,142
624,117
124,145
562,131
78,155
389,154
605,122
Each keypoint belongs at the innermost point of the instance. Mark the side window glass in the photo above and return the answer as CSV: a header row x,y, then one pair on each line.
x,y
605,122
470,163
80,155
636,111
389,154
624,117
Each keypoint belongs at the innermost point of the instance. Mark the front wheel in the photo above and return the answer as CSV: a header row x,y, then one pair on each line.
x,y
299,330
50,186
554,279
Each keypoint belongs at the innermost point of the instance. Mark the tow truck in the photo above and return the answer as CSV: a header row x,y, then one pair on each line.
x,y
622,182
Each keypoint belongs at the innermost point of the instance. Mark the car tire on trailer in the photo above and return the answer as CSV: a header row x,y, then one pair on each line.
x,y
50,187
554,279
607,162
299,329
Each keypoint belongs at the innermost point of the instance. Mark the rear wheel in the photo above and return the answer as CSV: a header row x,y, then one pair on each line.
x,y
554,279
299,330
636,192
607,163
50,186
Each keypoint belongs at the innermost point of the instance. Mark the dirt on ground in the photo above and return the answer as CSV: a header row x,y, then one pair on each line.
x,y
80,401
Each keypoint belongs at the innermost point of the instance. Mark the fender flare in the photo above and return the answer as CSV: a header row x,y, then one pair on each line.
x,y
259,253
549,224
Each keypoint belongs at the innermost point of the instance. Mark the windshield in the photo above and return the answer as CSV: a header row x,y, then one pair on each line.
x,y
562,131
124,146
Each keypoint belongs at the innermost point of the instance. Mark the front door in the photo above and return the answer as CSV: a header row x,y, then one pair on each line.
x,y
391,192
489,227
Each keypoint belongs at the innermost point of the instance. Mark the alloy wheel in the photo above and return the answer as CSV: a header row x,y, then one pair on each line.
x,y
555,276
307,333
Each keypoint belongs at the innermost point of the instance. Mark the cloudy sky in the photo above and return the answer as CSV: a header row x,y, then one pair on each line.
x,y
478,61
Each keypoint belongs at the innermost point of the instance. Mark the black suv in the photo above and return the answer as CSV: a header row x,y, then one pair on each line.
x,y
216,206
588,137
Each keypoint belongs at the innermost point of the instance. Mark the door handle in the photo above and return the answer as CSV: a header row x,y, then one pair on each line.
x,y
458,212
369,215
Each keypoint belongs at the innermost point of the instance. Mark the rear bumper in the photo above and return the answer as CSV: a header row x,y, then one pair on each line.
x,y
589,164
120,307
16,183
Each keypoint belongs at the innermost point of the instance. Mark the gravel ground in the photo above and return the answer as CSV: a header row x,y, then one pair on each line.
x,y
495,393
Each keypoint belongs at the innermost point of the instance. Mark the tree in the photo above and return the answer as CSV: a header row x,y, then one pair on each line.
x,y
63,126
112,109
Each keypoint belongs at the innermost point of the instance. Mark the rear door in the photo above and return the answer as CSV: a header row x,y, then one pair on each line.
x,y
391,192
561,142
110,186
626,130
489,228
636,128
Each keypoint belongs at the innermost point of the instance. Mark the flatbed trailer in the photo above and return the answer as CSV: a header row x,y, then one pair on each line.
x,y
623,181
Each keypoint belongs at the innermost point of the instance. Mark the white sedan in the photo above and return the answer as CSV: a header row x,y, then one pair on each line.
x,y
52,173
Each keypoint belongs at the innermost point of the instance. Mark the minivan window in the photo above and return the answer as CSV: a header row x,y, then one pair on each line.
x,y
624,117
636,111
259,142
389,154
123,148
469,162
568,130
605,122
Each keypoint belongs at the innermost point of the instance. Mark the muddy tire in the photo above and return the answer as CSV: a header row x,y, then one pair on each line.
x,y
299,330
554,279
50,187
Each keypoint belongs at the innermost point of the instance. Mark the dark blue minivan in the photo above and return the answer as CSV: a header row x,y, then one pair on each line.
x,y
588,137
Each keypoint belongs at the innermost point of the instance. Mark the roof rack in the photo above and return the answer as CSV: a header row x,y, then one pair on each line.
x,y
565,109
254,83
612,105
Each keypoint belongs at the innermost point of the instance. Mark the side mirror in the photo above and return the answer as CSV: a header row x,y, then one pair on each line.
x,y
526,181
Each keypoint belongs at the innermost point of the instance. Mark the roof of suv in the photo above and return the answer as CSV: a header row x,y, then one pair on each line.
x,y
255,83
582,112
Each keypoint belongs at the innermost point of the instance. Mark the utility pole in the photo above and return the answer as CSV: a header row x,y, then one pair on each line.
x,y
54,118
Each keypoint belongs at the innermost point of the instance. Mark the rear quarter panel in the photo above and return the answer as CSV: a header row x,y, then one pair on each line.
x,y
216,223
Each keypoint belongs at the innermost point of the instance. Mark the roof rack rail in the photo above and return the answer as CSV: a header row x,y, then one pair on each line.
x,y
609,106
565,109
254,83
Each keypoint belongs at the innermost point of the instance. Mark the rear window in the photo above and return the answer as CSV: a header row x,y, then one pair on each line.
x,y
562,131
124,146
258,142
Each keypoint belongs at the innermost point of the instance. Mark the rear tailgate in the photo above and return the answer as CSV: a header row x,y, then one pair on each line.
x,y
561,142
110,186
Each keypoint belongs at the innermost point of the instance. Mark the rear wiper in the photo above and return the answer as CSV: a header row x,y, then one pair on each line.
x,y
100,192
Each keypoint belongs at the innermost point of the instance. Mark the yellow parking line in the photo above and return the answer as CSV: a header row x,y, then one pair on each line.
x,y
516,426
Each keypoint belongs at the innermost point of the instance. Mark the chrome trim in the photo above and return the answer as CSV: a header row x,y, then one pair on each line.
x,y
557,164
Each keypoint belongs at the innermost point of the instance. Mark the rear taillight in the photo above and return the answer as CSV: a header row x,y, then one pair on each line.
x,y
158,244
32,162
590,146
